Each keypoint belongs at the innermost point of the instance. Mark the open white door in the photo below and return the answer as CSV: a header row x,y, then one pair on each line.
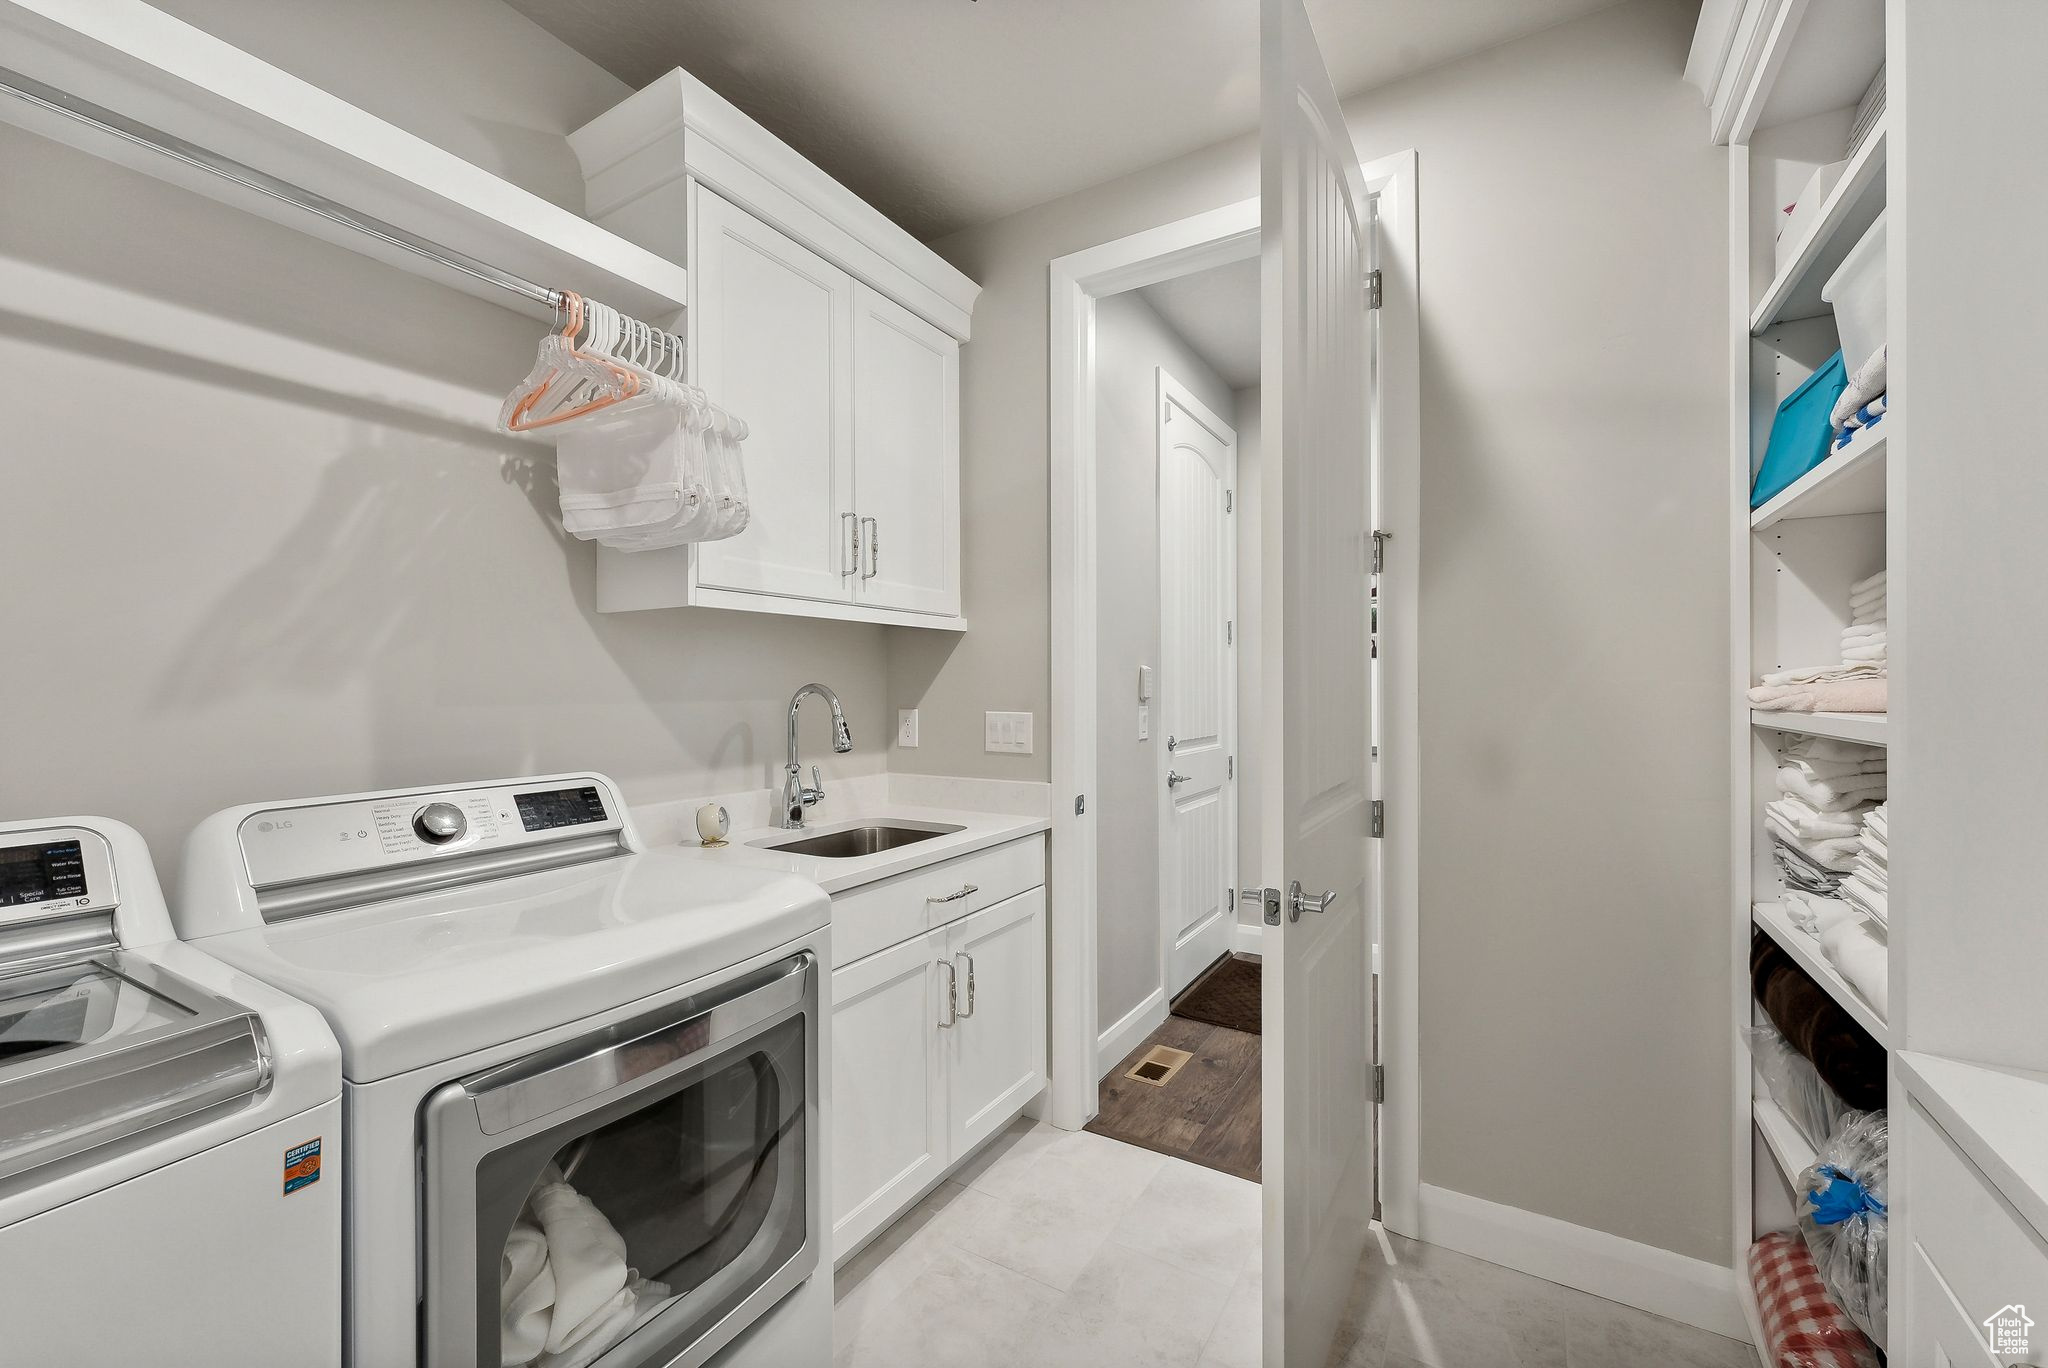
x,y
1316,839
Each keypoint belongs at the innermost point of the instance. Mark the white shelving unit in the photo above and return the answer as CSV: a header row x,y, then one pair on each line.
x,y
143,65
1939,496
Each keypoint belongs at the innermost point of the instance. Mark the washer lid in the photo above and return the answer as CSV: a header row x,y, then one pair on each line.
x,y
419,980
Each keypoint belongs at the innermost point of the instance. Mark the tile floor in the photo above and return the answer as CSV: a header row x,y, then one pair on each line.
x,y
1060,1249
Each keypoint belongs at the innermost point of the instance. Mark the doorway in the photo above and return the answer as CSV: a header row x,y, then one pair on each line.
x,y
1089,1039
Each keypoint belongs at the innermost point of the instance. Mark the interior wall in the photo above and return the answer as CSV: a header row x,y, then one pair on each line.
x,y
241,589
1574,849
1131,343
1251,643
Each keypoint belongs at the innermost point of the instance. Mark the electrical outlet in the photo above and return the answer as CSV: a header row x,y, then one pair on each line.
x,y
906,727
1006,733
1144,723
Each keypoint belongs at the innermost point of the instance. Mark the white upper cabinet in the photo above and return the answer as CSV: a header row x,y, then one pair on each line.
x,y
832,333
770,336
906,427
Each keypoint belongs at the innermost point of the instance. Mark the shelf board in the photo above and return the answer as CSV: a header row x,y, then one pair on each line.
x,y
1848,481
1995,1116
147,66
1868,729
1787,1144
1850,208
1806,950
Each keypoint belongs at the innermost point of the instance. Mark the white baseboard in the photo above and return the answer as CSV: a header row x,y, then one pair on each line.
x,y
1650,1279
1119,1040
1247,939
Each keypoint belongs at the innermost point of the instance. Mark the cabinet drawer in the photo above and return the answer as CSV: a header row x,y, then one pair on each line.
x,y
1987,1253
888,913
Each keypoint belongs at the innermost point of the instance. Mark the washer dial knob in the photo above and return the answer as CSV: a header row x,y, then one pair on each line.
x,y
439,823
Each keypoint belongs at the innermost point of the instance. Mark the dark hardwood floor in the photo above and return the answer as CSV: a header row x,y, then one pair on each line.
x,y
1208,1113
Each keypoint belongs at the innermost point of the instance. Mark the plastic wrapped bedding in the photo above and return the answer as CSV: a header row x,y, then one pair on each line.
x,y
1803,1328
1842,1214
1795,1085
1817,1026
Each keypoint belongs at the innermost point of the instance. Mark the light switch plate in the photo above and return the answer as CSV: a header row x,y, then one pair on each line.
x,y
1144,723
906,728
1006,733
1144,683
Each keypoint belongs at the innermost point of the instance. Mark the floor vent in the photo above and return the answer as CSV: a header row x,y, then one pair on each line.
x,y
1159,1065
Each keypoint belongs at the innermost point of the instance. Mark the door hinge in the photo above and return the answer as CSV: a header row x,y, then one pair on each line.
x,y
1229,631
1231,761
1379,1082
1080,804
1379,550
1372,289
1229,501
1379,817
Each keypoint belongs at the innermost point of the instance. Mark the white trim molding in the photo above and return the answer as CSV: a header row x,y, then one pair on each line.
x,y
1129,1032
1690,1291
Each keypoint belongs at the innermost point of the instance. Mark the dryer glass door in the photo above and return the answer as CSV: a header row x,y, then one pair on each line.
x,y
647,1219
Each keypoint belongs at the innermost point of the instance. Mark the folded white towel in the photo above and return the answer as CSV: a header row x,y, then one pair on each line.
x,y
1835,769
1833,795
1879,820
1860,951
1863,629
1821,674
1858,655
1827,748
1808,823
1875,618
586,1254
1864,587
1866,897
1871,871
1814,915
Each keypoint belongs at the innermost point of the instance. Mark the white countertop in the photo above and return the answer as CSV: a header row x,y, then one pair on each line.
x,y
1996,1116
672,825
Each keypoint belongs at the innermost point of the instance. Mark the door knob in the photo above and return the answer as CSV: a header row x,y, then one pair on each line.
x,y
1174,779
1299,902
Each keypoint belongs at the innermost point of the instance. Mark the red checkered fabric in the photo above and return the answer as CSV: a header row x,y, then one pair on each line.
x,y
1803,1328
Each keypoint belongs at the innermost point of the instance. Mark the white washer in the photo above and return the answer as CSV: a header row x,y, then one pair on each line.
x,y
522,991
170,1129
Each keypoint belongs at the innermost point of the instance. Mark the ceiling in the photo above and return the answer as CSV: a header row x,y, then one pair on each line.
x,y
947,113
1216,312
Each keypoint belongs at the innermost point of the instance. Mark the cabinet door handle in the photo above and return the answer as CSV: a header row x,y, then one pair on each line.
x,y
853,564
970,985
952,995
874,548
964,891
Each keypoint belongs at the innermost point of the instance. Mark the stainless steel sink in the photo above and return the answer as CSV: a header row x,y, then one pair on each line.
x,y
846,843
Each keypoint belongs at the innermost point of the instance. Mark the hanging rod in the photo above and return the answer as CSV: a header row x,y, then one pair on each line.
x,y
42,96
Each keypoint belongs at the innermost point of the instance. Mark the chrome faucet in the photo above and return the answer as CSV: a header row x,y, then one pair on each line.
x,y
795,797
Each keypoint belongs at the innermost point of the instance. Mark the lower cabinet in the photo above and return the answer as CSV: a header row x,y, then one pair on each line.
x,y
937,1043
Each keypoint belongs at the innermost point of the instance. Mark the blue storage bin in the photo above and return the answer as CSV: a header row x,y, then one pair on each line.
x,y
1800,432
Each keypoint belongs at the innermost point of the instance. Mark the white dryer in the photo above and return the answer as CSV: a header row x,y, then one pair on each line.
x,y
170,1129
582,1079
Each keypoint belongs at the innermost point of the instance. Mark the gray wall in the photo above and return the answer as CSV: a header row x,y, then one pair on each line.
x,y
1574,874
239,589
1131,343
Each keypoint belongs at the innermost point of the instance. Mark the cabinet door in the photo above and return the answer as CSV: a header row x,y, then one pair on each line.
x,y
1943,1333
888,1103
996,1054
772,342
906,442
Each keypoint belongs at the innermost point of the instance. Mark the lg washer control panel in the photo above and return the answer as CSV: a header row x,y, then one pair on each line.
x,y
291,844
54,872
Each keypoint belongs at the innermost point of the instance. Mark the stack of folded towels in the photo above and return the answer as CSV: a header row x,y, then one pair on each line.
x,y
1862,405
1816,823
1861,684
1866,885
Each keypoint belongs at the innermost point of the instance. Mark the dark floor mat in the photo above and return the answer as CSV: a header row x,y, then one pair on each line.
x,y
1227,995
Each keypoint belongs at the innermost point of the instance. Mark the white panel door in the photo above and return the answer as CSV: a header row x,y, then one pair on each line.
x,y
888,1097
1197,683
996,1048
906,440
1316,362
772,335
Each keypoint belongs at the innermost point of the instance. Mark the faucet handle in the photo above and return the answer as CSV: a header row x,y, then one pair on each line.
x,y
816,792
